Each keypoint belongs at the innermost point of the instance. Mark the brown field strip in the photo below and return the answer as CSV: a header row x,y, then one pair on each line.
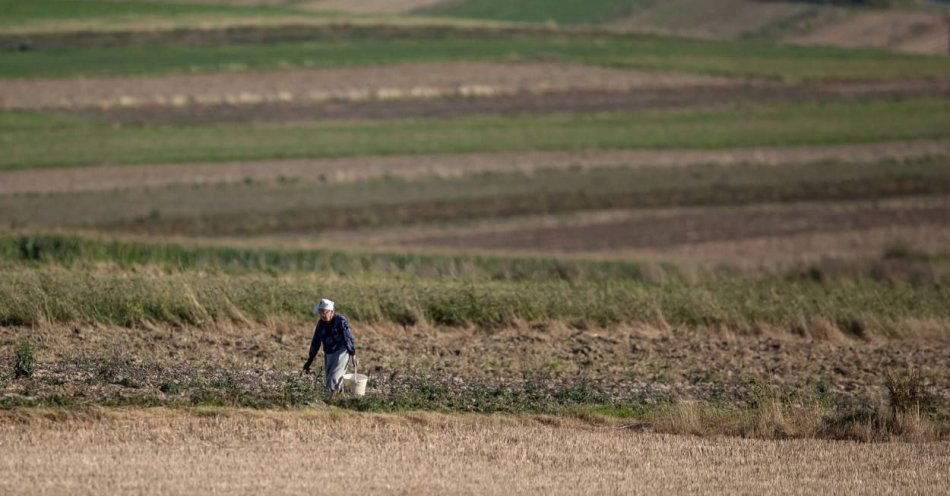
x,y
666,228
320,85
166,452
911,32
769,253
651,361
432,102
106,178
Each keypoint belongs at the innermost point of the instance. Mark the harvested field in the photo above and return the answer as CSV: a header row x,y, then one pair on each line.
x,y
664,228
912,32
107,178
134,452
409,81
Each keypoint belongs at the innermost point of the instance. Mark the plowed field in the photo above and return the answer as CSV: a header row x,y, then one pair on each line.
x,y
106,178
666,228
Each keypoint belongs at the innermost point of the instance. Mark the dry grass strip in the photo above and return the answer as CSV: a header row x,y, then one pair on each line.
x,y
173,452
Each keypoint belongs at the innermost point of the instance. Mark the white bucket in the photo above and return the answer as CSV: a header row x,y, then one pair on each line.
x,y
355,383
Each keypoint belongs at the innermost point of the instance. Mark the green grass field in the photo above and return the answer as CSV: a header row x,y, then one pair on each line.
x,y
14,13
31,295
748,59
31,141
83,252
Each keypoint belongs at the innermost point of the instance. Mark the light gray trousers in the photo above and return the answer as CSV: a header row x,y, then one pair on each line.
x,y
335,366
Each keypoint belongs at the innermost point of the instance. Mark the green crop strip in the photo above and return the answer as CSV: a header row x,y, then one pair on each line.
x,y
32,295
562,12
728,58
66,143
17,12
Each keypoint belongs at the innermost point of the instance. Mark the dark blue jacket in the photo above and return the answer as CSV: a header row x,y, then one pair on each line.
x,y
334,336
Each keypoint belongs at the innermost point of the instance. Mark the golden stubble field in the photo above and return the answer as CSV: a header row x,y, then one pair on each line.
x,y
217,452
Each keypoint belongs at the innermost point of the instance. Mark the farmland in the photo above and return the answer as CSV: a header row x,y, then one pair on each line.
x,y
550,228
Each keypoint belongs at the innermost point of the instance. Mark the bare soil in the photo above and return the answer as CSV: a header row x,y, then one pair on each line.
x,y
913,32
655,363
771,254
157,451
394,103
666,228
106,178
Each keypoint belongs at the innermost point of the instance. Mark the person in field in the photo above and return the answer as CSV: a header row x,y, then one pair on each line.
x,y
334,334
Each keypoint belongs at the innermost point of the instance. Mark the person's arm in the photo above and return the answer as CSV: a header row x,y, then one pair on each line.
x,y
314,347
348,336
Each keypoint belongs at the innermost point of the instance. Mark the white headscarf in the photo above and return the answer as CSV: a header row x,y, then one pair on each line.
x,y
324,304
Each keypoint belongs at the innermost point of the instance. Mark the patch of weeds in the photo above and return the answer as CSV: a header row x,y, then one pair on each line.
x,y
299,391
170,387
52,381
24,363
823,393
209,397
127,382
117,371
622,411
908,393
225,382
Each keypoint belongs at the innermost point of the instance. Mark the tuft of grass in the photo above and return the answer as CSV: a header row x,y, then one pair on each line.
x,y
24,363
907,394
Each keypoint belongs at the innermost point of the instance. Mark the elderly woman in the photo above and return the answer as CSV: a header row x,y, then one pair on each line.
x,y
333,332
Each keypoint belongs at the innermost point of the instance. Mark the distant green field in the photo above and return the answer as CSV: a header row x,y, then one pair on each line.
x,y
750,59
30,141
18,12
87,252
563,11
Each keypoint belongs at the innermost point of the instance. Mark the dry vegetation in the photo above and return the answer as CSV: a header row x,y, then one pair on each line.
x,y
133,452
